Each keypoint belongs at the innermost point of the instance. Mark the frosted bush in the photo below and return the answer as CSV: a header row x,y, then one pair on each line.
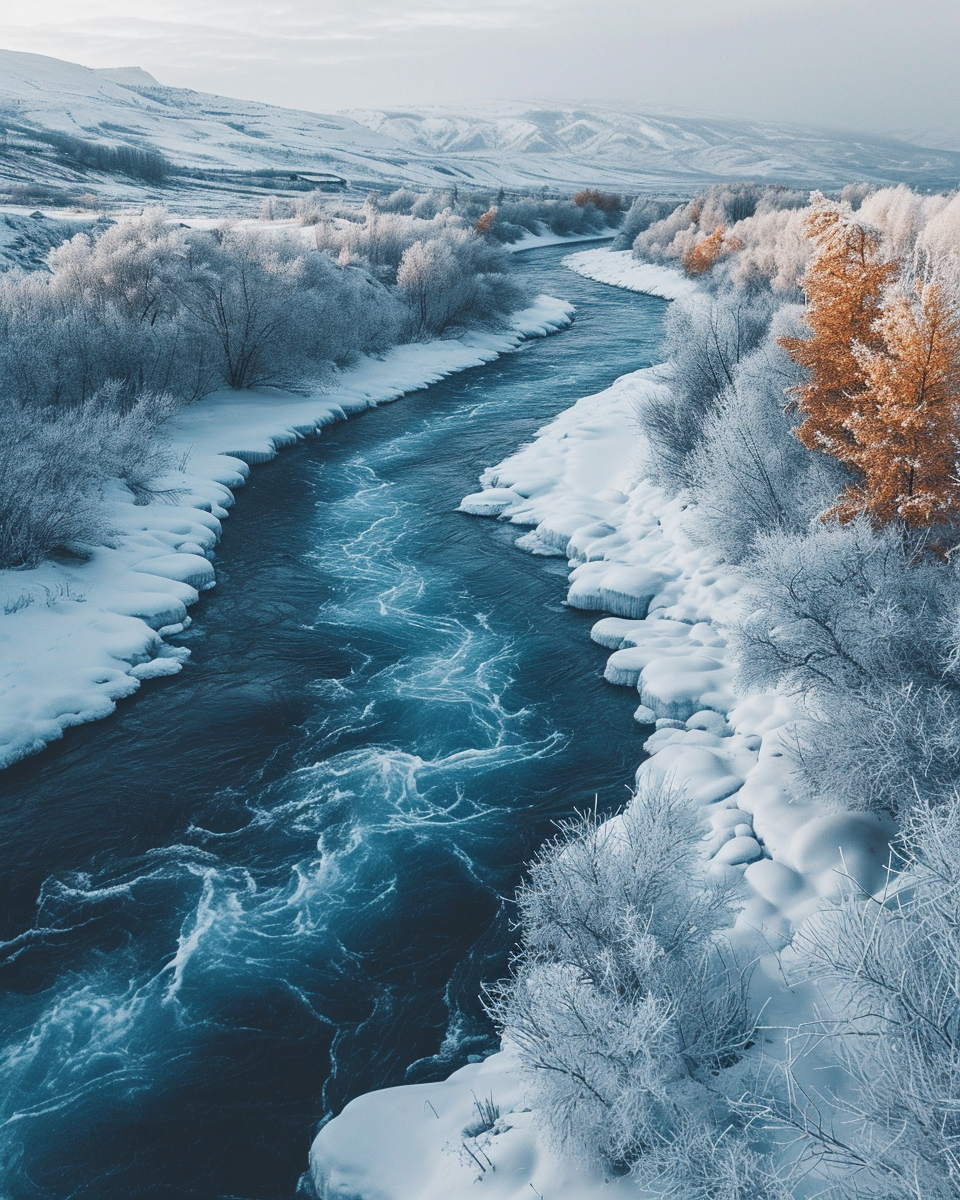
x,y
891,965
380,238
622,1007
865,634
123,437
657,242
642,213
704,341
704,1162
108,309
748,474
454,281
49,490
880,747
842,607
272,313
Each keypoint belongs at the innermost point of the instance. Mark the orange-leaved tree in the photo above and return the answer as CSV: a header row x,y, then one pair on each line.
x,y
906,421
606,202
486,222
844,285
703,256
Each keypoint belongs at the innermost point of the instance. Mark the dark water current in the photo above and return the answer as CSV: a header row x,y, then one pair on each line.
x,y
278,880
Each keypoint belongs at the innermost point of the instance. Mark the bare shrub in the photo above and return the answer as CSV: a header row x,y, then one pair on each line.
x,y
705,340
889,1128
864,633
621,1006
49,493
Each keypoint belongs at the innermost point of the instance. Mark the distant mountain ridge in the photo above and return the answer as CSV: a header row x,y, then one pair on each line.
x,y
517,145
691,148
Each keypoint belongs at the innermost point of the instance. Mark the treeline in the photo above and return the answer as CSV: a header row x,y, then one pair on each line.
x,y
122,327
812,427
495,215
138,163
814,418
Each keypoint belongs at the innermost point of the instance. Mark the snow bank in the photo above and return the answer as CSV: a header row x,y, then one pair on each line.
x,y
78,635
434,1143
531,241
579,491
621,269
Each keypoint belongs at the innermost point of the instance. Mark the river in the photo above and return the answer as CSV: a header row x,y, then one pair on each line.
x,y
279,879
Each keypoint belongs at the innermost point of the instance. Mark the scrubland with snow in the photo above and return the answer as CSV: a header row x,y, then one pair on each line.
x,y
744,985
79,634
146,364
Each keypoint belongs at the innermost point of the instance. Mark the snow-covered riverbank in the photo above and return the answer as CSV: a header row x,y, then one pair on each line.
x,y
78,635
620,269
580,491
533,241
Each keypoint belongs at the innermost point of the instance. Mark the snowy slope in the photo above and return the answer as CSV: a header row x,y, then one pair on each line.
x,y
614,143
517,145
191,129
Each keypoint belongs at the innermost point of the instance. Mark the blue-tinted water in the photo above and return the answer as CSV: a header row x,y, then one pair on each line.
x,y
279,879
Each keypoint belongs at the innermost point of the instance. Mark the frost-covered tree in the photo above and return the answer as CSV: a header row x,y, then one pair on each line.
x,y
704,340
864,634
748,474
889,1127
623,1008
844,286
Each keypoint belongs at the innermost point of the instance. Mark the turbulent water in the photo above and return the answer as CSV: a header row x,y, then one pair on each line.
x,y
280,879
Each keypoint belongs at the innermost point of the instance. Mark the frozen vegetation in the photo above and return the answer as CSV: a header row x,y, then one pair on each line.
x,y
146,363
129,322
744,986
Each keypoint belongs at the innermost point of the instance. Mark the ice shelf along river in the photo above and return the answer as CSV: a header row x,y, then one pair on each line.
x,y
279,879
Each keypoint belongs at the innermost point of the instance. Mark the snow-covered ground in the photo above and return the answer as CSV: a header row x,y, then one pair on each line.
x,y
621,269
77,635
532,241
516,145
580,492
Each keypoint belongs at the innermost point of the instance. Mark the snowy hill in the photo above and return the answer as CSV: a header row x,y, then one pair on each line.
x,y
199,132
52,112
618,143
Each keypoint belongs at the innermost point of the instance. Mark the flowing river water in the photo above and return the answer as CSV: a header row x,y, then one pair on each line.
x,y
279,879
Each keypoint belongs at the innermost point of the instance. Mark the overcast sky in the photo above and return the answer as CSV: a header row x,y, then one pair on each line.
x,y
868,64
